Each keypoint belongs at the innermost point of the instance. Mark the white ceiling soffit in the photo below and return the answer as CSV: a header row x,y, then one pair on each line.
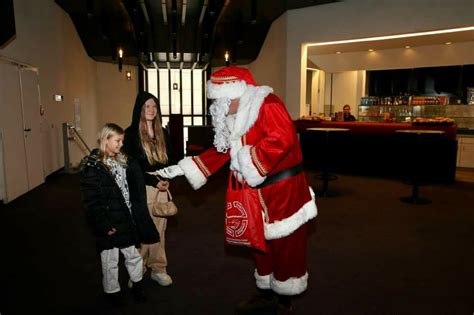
x,y
394,43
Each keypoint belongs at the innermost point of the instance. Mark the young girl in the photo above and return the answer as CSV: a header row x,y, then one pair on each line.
x,y
117,215
147,141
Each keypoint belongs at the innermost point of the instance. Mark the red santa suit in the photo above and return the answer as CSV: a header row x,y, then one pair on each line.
x,y
260,140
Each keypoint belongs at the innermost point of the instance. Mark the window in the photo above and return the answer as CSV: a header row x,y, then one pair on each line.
x,y
179,92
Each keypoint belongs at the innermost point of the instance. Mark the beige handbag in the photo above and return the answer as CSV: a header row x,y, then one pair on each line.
x,y
163,205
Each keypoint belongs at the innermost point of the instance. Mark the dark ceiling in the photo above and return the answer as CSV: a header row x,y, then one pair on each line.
x,y
177,33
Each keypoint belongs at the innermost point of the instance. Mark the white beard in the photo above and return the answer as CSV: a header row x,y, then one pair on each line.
x,y
219,110
227,128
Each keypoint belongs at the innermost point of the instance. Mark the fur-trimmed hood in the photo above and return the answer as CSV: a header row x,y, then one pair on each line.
x,y
142,97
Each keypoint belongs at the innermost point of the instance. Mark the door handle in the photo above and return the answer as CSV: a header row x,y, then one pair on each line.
x,y
27,129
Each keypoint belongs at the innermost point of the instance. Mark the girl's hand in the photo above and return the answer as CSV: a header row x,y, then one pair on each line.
x,y
111,232
163,185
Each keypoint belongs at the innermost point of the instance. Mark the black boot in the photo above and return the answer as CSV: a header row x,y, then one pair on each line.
x,y
138,292
262,304
115,299
284,305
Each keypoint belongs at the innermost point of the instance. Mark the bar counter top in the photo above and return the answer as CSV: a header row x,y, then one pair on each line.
x,y
379,128
376,149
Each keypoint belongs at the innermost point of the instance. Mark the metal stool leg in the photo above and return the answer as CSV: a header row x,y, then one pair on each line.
x,y
415,197
325,172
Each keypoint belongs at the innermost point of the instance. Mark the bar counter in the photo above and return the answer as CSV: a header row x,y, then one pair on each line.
x,y
382,129
375,149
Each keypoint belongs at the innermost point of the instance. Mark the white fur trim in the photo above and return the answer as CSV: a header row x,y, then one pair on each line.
x,y
292,286
249,107
192,172
262,282
235,147
285,227
247,168
230,90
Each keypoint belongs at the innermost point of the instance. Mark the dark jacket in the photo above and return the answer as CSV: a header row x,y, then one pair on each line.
x,y
349,118
105,205
132,145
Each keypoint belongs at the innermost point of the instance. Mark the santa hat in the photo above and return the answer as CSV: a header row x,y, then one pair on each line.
x,y
230,82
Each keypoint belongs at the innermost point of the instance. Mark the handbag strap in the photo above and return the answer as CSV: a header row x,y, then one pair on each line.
x,y
170,198
238,185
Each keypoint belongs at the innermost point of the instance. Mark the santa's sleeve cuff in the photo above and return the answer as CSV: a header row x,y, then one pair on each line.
x,y
247,167
192,172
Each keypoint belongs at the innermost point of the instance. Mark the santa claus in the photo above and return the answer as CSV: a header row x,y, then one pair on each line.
x,y
254,130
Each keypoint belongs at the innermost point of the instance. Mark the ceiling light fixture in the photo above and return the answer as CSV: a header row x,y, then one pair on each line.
x,y
338,52
407,46
253,12
120,53
371,39
371,50
226,56
448,43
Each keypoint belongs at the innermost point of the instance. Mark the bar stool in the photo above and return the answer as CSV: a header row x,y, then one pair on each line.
x,y
325,176
418,137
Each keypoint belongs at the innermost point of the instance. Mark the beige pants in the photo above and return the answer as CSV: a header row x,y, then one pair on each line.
x,y
154,255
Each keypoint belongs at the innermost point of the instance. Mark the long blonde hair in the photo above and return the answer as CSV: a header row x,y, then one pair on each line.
x,y
108,131
155,151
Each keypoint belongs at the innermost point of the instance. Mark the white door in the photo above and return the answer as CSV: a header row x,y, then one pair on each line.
x,y
32,127
20,121
2,175
11,121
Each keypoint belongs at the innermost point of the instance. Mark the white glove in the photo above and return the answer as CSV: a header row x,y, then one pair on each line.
x,y
170,171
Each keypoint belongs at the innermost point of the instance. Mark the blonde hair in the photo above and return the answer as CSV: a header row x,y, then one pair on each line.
x,y
108,131
155,151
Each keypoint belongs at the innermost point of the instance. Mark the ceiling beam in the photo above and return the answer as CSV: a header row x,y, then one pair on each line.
x,y
174,28
164,9
203,11
183,12
214,31
145,12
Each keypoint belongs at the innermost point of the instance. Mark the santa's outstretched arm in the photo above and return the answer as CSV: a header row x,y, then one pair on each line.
x,y
198,168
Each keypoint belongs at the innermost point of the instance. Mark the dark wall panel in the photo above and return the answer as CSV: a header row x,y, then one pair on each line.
x,y
448,80
7,22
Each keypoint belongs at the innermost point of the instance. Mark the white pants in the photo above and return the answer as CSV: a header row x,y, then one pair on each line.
x,y
110,259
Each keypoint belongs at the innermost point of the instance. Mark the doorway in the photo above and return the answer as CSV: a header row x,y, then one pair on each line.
x,y
20,121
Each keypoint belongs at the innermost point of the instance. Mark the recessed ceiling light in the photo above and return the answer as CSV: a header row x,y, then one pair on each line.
x,y
448,43
407,46
371,50
338,52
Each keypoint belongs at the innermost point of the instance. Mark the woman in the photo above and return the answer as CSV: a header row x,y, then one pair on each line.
x,y
147,142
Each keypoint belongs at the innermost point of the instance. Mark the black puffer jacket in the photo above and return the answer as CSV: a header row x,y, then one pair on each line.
x,y
106,209
132,145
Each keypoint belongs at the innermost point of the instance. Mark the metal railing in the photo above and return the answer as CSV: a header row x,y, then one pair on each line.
x,y
70,133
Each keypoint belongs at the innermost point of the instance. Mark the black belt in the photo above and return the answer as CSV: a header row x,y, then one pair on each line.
x,y
282,175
